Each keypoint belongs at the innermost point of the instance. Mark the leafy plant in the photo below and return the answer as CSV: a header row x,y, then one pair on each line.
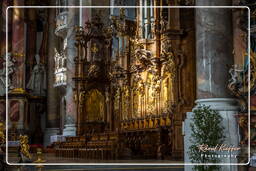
x,y
206,130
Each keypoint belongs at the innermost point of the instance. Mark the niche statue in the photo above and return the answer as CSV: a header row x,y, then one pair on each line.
x,y
37,81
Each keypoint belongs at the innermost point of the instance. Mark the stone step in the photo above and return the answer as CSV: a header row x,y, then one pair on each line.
x,y
115,168
97,168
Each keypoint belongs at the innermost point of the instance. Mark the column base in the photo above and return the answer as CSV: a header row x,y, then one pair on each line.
x,y
227,108
69,130
48,133
219,104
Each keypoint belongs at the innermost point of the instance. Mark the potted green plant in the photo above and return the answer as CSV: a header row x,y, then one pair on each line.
x,y
206,130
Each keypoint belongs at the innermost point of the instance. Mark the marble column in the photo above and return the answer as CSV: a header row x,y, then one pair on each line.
x,y
18,44
214,46
52,118
31,45
71,118
4,5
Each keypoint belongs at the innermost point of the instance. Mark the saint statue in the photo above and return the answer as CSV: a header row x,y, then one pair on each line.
x,y
10,68
37,81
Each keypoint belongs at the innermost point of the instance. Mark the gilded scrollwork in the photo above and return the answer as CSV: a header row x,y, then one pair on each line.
x,y
253,71
168,58
164,24
143,86
152,79
238,83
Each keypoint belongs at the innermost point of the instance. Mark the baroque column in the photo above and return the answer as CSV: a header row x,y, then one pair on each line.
x,y
214,57
52,118
18,45
18,78
31,51
71,118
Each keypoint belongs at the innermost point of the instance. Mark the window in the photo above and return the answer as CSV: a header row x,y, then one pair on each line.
x,y
61,3
147,18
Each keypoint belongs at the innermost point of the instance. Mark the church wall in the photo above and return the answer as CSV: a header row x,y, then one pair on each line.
x,y
127,108
186,79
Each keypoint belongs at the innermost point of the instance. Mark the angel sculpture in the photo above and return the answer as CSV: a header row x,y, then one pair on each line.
x,y
144,57
24,149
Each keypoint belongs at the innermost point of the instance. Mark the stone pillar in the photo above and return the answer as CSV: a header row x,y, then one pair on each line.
x,y
214,57
214,52
52,118
18,45
31,49
71,118
17,83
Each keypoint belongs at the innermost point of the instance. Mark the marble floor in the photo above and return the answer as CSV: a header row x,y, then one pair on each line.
x,y
97,164
51,158
116,168
96,168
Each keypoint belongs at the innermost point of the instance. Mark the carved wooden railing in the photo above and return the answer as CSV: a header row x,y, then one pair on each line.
x,y
147,122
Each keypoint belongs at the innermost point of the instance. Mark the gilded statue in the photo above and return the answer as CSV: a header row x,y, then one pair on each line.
x,y
39,153
243,123
2,133
75,97
81,99
125,101
165,95
138,94
136,104
143,57
24,148
117,99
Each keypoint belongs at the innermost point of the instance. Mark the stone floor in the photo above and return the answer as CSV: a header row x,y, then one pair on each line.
x,y
116,168
51,159
96,168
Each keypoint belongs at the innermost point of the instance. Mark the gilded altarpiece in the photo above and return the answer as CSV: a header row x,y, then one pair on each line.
x,y
150,86
94,105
